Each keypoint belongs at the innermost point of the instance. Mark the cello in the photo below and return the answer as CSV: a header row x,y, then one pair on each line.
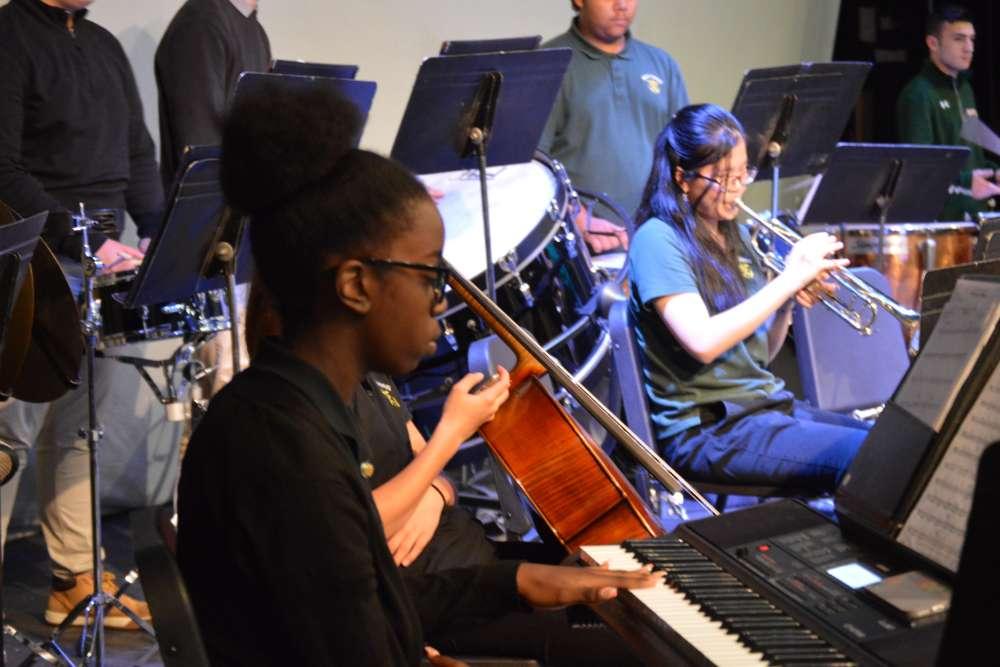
x,y
572,483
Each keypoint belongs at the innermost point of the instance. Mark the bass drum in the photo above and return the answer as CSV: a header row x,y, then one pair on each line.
x,y
909,251
544,276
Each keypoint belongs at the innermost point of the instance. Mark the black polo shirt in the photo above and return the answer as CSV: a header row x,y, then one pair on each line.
x,y
71,126
459,540
280,542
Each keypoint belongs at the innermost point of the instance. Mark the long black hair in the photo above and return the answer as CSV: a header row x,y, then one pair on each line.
x,y
699,135
288,160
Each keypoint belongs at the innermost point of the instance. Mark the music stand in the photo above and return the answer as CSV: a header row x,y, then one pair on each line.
x,y
937,286
794,115
464,47
884,183
302,68
465,107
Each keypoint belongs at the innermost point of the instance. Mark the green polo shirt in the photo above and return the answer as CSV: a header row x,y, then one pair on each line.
x,y
930,110
677,384
608,113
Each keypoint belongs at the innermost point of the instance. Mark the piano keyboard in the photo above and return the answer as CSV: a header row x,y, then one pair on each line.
x,y
722,619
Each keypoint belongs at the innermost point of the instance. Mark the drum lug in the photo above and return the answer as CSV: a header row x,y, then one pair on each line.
x,y
568,239
449,335
509,264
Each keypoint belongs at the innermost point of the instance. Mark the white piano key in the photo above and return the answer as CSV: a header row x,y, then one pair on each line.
x,y
684,617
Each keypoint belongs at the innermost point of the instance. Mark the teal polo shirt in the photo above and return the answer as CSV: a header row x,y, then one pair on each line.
x,y
676,384
609,111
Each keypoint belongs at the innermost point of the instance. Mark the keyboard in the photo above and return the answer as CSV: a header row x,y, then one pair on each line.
x,y
773,584
722,621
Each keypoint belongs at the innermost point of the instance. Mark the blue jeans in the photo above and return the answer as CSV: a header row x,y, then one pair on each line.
x,y
781,442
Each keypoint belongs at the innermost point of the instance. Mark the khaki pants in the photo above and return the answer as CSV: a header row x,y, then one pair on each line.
x,y
136,469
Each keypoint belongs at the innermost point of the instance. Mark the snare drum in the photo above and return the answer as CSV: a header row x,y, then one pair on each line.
x,y
202,313
909,251
544,275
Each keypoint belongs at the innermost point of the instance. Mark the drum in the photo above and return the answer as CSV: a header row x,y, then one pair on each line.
x,y
544,276
909,251
201,314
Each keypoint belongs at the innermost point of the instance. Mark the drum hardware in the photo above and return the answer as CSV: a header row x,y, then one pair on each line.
x,y
509,264
868,298
93,606
928,249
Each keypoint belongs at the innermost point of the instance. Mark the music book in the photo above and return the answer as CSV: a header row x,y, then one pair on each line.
x,y
969,318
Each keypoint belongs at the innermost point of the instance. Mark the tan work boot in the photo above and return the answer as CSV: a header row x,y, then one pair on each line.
x,y
62,602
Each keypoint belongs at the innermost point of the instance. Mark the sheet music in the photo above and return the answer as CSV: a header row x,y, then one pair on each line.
x,y
965,326
936,526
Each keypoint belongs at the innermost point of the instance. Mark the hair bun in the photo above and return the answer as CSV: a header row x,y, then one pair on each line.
x,y
281,137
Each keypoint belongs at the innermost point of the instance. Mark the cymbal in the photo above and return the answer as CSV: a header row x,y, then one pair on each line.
x,y
17,336
52,364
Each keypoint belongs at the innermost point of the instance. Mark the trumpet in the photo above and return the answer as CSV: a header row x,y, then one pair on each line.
x,y
861,312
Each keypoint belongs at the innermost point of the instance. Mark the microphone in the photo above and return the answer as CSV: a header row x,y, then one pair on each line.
x,y
9,462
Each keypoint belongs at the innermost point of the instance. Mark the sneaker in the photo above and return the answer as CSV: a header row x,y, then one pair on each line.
x,y
62,602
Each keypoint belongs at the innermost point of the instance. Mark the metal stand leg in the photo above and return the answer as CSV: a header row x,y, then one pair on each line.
x,y
94,606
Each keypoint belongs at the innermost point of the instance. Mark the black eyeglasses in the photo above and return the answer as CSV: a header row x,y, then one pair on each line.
x,y
440,272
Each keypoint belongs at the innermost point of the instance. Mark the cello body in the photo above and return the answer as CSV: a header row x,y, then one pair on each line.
x,y
571,482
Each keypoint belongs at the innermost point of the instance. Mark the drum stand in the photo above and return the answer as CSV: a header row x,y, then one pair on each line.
x,y
94,605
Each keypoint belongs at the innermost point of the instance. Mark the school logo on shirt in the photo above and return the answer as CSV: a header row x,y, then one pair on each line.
x,y
387,392
746,268
945,104
653,82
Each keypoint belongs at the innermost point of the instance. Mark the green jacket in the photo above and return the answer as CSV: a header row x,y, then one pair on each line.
x,y
930,110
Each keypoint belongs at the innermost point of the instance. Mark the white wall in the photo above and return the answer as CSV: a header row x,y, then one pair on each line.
x,y
713,40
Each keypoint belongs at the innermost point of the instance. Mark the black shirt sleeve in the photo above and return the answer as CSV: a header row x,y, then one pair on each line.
x,y
18,188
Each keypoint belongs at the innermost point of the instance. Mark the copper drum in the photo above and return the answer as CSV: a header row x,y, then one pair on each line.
x,y
909,250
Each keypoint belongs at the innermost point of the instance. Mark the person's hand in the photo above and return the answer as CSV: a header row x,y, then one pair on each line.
x,y
144,245
601,235
464,411
436,195
409,541
982,187
437,660
558,586
116,257
813,293
811,257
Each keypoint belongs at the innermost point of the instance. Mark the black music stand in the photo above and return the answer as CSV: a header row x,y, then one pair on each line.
x,y
302,68
464,47
465,107
794,115
884,183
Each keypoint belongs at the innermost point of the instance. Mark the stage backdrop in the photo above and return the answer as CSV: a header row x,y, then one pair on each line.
x,y
714,41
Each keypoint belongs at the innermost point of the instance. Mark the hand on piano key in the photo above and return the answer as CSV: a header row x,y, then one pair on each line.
x,y
558,586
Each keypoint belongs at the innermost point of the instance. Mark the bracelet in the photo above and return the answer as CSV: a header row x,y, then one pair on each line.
x,y
440,493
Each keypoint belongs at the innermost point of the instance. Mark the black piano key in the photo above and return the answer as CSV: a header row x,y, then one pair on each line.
x,y
695,577
750,622
794,657
731,594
